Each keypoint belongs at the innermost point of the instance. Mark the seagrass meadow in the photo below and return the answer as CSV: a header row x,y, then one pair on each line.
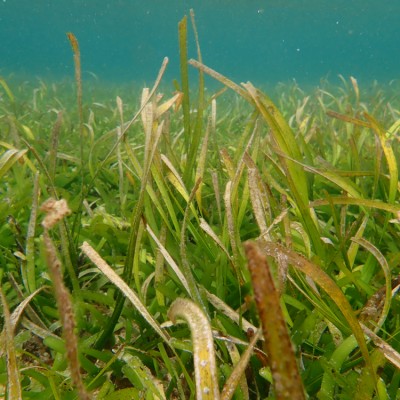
x,y
178,242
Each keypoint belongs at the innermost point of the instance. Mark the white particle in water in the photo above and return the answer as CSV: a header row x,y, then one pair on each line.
x,y
203,363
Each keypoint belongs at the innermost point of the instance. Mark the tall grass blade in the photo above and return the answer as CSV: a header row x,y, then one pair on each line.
x,y
34,169
258,206
201,166
228,162
163,200
287,144
7,89
67,244
353,248
170,261
13,379
196,133
183,253
230,313
221,78
208,230
232,233
24,306
183,58
217,192
343,182
175,178
78,79
120,140
345,200
152,143
159,273
390,157
128,124
30,239
55,135
378,314
347,118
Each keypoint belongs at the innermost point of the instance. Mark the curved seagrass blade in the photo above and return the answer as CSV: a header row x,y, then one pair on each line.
x,y
203,347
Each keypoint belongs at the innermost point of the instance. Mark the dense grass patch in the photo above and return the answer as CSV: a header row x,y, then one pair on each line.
x,y
161,193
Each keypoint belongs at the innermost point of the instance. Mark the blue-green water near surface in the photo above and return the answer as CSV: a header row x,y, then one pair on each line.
x,y
264,41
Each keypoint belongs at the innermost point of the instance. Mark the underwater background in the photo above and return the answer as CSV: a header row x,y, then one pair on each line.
x,y
264,41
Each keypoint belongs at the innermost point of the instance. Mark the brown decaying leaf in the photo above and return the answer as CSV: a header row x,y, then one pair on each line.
x,y
73,41
286,378
347,118
56,210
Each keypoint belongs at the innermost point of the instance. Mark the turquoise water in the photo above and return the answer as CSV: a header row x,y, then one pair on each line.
x,y
262,41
